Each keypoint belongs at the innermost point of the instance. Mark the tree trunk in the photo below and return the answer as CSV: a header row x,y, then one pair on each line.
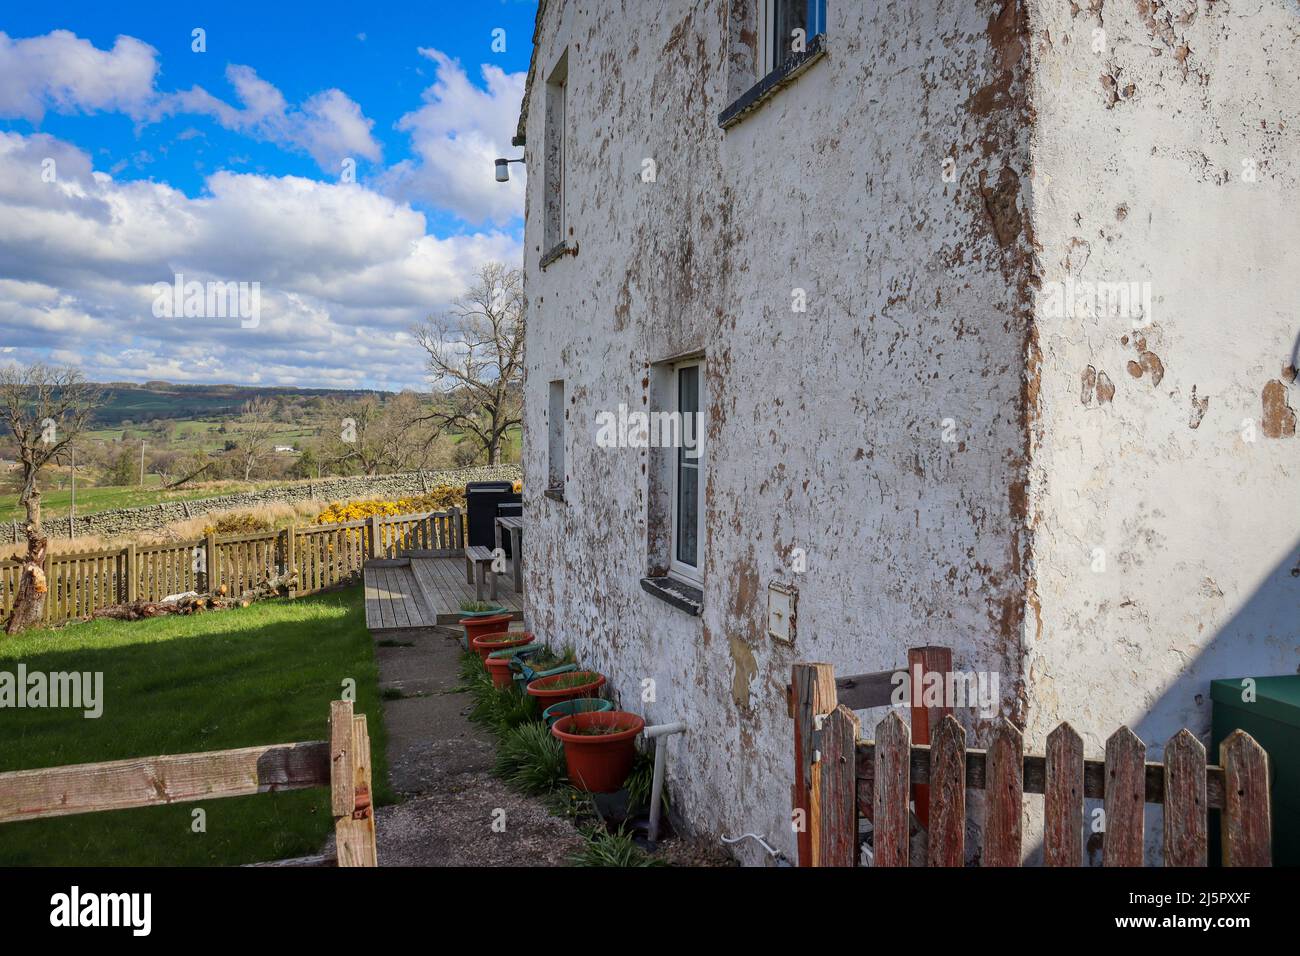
x,y
29,600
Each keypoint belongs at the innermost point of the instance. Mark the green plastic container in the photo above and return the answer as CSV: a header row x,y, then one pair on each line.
x,y
582,705
495,609
1273,719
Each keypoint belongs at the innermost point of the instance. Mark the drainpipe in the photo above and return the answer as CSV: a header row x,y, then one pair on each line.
x,y
661,755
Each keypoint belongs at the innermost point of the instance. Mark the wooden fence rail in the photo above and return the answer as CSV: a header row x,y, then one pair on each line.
x,y
845,777
342,763
324,556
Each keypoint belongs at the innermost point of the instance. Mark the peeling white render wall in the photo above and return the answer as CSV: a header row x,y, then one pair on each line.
x,y
825,427
1142,156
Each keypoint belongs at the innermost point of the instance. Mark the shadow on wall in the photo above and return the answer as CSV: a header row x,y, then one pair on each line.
x,y
1261,638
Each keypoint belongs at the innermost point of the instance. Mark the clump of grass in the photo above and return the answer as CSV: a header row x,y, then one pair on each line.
x,y
498,710
571,679
530,760
571,804
472,669
640,783
473,607
604,848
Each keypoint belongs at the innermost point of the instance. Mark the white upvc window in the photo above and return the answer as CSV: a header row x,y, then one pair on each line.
x,y
689,401
783,27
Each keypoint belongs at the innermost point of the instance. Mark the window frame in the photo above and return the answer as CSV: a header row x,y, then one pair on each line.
x,y
555,162
767,78
765,61
556,438
693,574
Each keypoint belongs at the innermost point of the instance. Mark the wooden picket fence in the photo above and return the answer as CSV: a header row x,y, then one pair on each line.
x,y
839,777
325,556
342,763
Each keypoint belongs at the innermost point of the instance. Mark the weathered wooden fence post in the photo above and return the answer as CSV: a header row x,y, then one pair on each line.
x,y
1185,813
1125,799
837,787
132,586
1247,818
350,787
922,662
210,561
891,820
290,559
1063,798
51,586
947,794
1004,785
812,695
376,538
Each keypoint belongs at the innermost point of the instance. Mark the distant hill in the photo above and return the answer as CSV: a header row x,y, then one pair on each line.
x,y
129,401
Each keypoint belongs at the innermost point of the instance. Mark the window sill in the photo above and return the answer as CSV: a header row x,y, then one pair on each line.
x,y
768,86
556,252
670,590
555,494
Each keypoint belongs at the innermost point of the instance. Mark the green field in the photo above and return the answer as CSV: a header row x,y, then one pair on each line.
x,y
191,435
215,681
135,402
57,503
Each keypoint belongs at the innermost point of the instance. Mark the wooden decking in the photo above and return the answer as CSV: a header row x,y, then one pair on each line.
x,y
423,592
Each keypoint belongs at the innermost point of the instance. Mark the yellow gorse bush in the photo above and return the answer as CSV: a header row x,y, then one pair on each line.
x,y
440,498
242,523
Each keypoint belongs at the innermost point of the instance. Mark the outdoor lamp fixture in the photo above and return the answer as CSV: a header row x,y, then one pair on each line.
x,y
503,169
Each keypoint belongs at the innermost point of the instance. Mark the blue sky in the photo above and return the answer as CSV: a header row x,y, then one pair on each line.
x,y
227,165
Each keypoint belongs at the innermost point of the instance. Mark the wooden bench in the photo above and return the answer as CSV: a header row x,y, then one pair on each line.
x,y
478,564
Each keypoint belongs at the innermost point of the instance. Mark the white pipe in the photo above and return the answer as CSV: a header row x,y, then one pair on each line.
x,y
753,836
657,786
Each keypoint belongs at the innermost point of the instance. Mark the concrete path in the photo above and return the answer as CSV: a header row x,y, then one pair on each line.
x,y
441,764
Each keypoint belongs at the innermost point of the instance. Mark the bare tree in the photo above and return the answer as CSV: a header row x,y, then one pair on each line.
x,y
380,436
256,433
476,356
45,408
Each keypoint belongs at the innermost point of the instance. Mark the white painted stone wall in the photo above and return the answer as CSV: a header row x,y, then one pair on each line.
x,y
1139,154
826,427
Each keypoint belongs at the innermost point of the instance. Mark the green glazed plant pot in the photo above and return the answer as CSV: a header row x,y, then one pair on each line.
x,y
582,705
498,665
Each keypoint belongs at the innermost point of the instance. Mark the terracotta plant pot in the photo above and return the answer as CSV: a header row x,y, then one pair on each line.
x,y
498,665
501,640
572,685
599,762
478,626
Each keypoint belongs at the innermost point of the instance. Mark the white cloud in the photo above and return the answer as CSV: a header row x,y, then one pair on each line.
x,y
329,126
344,272
456,135
63,72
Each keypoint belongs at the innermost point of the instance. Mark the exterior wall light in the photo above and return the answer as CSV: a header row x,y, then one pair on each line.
x,y
503,169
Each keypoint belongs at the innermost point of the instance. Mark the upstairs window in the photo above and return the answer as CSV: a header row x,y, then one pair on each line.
x,y
786,31
554,167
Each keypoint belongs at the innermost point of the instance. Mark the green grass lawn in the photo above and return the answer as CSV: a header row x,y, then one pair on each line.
x,y
214,681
